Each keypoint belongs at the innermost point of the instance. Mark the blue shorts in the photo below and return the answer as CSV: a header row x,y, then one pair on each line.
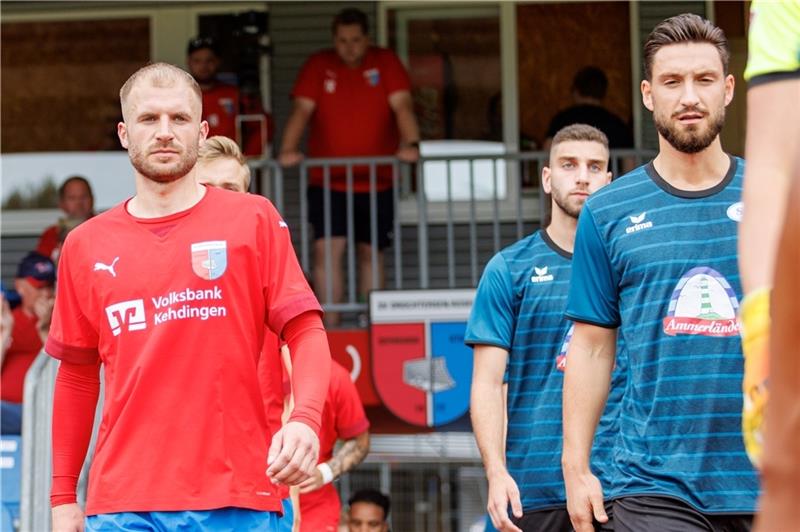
x,y
222,519
285,523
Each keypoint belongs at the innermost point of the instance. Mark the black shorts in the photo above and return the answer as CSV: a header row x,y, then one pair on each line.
x,y
557,520
667,514
361,215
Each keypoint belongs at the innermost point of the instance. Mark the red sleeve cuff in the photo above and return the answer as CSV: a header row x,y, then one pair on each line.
x,y
280,316
70,353
307,420
354,430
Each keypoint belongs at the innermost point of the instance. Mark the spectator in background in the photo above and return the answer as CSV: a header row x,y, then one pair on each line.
x,y
369,511
357,98
223,103
589,89
342,418
36,276
75,198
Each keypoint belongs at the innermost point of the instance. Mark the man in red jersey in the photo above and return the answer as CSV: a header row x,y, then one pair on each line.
x,y
343,418
172,299
357,98
223,103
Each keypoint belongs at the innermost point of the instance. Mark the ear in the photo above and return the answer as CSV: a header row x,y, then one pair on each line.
x,y
122,133
730,82
608,177
647,94
18,286
546,180
203,131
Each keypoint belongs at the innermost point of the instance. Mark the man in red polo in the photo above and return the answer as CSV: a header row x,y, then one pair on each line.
x,y
357,99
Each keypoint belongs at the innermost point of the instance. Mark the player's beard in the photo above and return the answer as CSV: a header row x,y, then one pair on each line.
x,y
693,138
162,173
569,205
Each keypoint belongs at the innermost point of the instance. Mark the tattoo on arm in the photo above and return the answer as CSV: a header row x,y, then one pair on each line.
x,y
350,454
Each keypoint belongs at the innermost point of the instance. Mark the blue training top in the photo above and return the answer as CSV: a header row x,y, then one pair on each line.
x,y
519,307
661,264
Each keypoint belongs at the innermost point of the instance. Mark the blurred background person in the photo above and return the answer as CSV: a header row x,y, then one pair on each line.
x,y
76,200
36,275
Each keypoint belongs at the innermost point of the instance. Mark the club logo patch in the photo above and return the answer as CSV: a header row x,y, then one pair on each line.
x,y
209,259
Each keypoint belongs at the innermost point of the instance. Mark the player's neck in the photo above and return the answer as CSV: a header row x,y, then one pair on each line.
x,y
692,171
562,229
154,200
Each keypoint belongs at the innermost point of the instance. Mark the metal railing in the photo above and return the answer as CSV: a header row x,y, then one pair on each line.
x,y
37,420
461,198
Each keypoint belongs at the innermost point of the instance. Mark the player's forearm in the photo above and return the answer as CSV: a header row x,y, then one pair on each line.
x,y
771,155
75,400
311,367
295,126
488,423
407,126
349,455
586,384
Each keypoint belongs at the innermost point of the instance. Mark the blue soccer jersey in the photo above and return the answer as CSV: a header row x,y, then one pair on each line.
x,y
519,307
661,264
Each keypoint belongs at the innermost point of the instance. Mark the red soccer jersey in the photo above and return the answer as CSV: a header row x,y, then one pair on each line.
x,y
25,346
270,377
342,418
222,104
177,319
352,115
220,108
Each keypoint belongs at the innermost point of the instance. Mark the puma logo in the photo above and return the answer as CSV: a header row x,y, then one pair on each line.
x,y
107,267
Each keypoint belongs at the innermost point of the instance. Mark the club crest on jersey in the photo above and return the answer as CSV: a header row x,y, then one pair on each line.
x,y
373,76
735,211
330,86
209,259
561,359
703,303
227,105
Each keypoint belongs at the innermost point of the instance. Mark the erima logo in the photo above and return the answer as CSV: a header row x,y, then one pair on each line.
x,y
541,275
126,312
99,266
638,223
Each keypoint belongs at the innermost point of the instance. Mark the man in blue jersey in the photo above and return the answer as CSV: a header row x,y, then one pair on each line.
x,y
655,258
517,328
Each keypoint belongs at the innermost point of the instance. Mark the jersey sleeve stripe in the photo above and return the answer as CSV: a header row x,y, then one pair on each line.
x,y
771,77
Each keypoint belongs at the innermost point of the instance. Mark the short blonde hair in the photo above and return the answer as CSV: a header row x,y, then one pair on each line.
x,y
220,147
160,75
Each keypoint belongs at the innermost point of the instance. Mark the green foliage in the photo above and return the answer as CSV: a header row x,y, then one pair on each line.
x,y
42,195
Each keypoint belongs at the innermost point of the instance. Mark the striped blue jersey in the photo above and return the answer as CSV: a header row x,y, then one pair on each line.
x,y
661,264
519,306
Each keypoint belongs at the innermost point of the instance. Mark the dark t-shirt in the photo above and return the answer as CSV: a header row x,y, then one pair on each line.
x,y
618,132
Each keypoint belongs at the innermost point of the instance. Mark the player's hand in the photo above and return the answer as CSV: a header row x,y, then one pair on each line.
x,y
584,500
408,154
312,483
290,157
293,454
502,492
67,518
